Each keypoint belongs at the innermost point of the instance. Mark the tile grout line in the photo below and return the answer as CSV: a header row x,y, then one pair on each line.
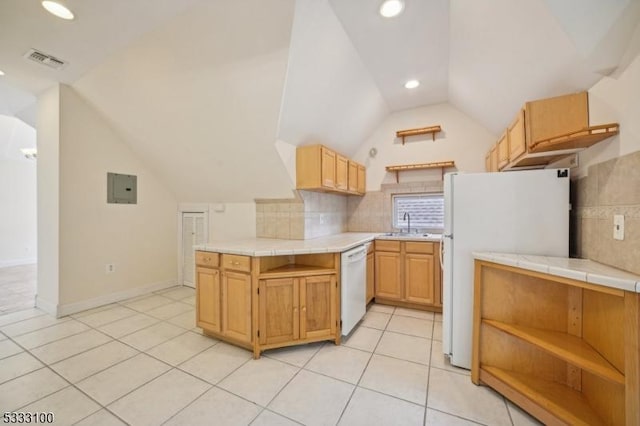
x,y
426,397
357,385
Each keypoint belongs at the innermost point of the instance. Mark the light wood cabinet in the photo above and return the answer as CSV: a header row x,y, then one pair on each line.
x,y
418,269
503,151
388,276
318,311
370,276
408,274
208,298
547,130
362,180
279,310
268,302
236,306
318,168
342,173
353,176
565,350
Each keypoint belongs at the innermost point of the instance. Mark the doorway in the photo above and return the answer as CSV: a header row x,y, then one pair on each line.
x,y
194,231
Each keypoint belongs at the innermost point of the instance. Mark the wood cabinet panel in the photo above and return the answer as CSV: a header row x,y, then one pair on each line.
x,y
503,151
418,270
418,247
279,314
370,277
236,262
362,180
318,315
387,245
387,277
342,172
204,258
516,135
546,118
328,167
208,298
236,305
353,176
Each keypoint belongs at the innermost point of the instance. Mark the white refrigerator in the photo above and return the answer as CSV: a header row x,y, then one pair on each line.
x,y
523,212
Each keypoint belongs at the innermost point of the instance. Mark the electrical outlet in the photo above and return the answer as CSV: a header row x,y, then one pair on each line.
x,y
110,268
618,227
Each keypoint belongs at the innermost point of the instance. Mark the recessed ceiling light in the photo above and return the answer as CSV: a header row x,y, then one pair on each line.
x,y
1,72
412,84
391,8
57,9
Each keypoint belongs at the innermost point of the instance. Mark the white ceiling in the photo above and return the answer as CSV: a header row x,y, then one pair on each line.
x,y
204,85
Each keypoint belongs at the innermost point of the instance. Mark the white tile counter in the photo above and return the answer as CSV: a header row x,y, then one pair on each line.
x,y
258,247
577,269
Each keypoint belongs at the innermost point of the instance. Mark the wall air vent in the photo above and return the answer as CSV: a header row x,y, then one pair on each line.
x,y
45,59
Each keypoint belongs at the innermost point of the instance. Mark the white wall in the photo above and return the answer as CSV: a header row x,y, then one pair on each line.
x,y
462,140
48,137
329,96
18,219
614,100
238,220
139,239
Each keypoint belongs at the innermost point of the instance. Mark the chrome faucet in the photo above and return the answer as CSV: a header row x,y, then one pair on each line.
x,y
407,217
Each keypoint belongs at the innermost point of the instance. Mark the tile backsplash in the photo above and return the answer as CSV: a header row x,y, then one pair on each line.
x,y
308,215
610,188
372,212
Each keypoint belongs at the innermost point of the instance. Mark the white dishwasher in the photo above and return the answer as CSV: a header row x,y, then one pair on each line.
x,y
353,283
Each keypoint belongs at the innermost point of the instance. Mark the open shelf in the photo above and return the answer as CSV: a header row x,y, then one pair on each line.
x,y
570,348
421,131
295,270
577,140
405,167
565,403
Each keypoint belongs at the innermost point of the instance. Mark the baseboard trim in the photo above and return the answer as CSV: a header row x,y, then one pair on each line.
x,y
17,262
48,307
72,308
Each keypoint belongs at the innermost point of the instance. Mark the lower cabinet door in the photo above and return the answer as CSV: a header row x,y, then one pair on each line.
x,y
279,311
208,298
236,305
419,283
318,306
387,275
370,278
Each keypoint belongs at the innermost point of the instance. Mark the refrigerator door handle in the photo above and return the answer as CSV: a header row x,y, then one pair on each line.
x,y
448,236
441,254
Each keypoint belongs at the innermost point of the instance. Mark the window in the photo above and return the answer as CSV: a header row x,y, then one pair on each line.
x,y
425,210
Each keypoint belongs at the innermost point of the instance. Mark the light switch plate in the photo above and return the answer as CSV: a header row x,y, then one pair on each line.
x,y
618,227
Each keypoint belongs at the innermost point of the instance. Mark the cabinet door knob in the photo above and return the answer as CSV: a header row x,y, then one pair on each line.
x,y
304,309
295,310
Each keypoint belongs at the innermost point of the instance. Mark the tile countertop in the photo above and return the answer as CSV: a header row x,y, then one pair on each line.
x,y
258,247
578,269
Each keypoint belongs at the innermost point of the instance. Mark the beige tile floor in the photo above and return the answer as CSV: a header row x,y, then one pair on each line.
x,y
143,362
17,288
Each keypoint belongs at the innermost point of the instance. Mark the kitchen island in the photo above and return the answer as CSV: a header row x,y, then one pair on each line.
x,y
264,293
559,337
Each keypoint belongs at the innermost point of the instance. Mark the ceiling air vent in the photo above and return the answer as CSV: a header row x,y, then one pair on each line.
x,y
45,59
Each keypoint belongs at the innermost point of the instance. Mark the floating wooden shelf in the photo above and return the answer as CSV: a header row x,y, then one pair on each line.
x,y
578,140
404,167
565,346
566,404
421,131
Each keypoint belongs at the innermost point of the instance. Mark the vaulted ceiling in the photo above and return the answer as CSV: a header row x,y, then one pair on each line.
x,y
205,86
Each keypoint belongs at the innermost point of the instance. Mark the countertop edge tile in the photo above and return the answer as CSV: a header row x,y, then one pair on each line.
x,y
578,269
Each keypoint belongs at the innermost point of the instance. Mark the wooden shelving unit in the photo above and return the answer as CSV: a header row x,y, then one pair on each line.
x,y
578,140
565,350
420,131
405,167
568,405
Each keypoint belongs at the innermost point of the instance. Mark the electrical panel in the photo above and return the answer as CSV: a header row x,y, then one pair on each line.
x,y
122,189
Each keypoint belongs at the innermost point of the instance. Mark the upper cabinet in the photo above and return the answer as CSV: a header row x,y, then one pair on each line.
x,y
320,169
547,130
